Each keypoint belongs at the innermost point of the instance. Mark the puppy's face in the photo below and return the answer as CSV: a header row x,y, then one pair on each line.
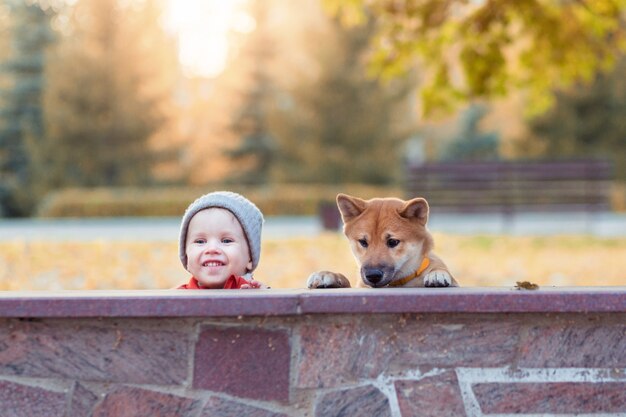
x,y
388,237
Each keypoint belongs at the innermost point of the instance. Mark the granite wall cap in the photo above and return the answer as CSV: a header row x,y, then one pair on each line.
x,y
227,303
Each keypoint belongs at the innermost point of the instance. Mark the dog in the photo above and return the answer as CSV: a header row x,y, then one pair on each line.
x,y
391,244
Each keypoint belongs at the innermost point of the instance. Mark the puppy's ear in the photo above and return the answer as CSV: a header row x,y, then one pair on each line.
x,y
350,207
416,208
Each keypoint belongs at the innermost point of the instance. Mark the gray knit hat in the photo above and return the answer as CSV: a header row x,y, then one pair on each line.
x,y
249,216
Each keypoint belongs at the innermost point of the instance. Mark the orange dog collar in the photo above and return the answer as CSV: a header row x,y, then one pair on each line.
x,y
411,277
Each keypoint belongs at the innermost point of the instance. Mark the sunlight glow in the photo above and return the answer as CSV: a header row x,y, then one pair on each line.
x,y
203,28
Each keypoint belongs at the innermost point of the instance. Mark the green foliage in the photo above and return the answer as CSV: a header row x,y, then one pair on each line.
x,y
21,111
342,125
471,50
587,120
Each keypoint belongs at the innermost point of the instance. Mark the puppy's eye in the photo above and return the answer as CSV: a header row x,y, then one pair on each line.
x,y
392,243
363,243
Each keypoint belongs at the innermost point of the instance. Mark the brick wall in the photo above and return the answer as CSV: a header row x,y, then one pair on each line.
x,y
423,352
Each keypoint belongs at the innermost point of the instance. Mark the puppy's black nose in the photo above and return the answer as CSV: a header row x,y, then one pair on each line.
x,y
373,275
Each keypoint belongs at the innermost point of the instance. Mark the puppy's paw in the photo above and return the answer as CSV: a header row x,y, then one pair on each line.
x,y
438,279
327,279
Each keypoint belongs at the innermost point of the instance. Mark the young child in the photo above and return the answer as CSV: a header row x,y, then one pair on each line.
x,y
220,242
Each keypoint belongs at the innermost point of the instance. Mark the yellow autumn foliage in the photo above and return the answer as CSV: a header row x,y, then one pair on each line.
x,y
287,262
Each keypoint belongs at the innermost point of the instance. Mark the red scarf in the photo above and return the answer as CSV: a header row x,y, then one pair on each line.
x,y
232,283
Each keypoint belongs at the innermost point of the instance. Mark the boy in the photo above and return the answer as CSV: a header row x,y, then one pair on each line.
x,y
220,242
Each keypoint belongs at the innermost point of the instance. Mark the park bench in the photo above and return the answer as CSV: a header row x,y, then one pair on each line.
x,y
508,187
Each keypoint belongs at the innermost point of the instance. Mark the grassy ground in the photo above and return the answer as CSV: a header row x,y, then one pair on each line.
x,y
286,263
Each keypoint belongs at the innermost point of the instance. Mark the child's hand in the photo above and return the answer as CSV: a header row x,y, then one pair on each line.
x,y
253,284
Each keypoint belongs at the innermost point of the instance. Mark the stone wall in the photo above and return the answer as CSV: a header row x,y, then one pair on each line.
x,y
323,353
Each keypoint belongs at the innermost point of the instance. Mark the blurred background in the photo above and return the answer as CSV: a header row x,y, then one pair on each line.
x,y
509,116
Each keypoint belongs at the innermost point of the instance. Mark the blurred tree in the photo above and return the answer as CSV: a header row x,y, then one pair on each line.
x,y
108,95
481,49
471,144
255,148
5,49
5,33
21,111
587,120
339,124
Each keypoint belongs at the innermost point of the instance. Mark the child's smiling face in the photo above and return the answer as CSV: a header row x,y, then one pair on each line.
x,y
216,247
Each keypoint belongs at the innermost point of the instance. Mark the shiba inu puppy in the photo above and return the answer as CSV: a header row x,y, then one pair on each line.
x,y
391,244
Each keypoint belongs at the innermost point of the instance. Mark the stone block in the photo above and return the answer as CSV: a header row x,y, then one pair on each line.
x,y
17,400
434,396
82,401
364,401
94,351
136,402
577,341
218,407
552,398
456,340
336,353
332,354
244,362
